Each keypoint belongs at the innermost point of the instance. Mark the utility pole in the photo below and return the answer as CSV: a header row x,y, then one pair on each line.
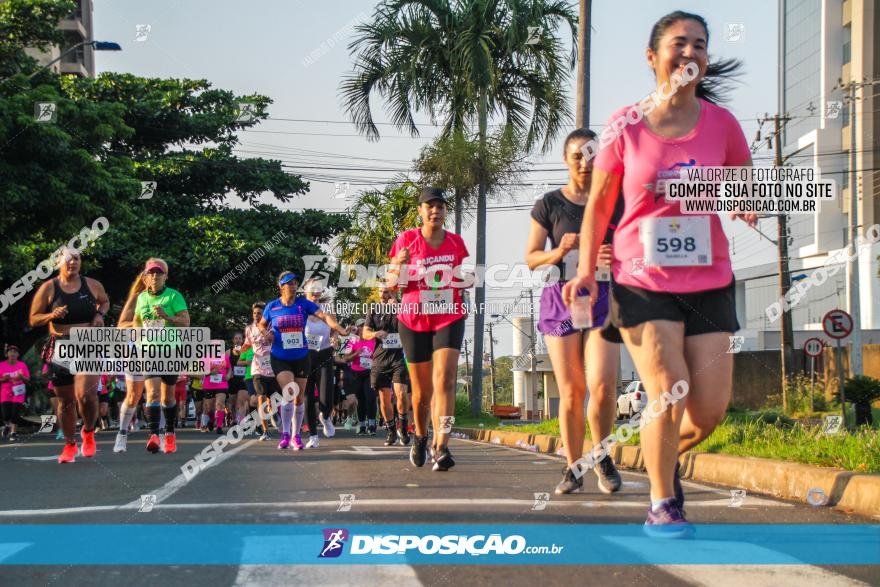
x,y
491,365
786,334
852,264
852,261
582,110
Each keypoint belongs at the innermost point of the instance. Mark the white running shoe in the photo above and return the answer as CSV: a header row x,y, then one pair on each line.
x,y
121,443
313,441
264,436
329,430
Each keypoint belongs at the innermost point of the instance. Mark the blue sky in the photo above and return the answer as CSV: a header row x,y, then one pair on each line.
x,y
260,46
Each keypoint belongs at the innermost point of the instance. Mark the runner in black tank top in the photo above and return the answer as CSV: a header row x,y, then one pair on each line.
x,y
80,304
62,310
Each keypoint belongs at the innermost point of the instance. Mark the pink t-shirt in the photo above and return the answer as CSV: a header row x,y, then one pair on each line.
x,y
645,159
451,253
219,377
365,349
260,365
13,391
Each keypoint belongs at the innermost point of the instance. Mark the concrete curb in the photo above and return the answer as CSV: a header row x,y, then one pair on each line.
x,y
845,490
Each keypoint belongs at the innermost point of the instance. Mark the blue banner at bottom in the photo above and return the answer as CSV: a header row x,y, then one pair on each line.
x,y
432,544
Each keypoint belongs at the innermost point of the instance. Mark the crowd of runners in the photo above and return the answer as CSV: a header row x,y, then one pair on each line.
x,y
396,367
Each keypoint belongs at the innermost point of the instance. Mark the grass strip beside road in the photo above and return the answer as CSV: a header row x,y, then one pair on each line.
x,y
762,434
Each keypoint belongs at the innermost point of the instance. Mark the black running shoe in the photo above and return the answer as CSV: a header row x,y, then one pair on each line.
x,y
362,431
418,453
391,439
443,459
372,430
609,478
676,484
569,483
403,435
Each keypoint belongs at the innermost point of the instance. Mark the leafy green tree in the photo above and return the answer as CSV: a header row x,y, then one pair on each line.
x,y
861,391
464,61
112,133
504,380
377,217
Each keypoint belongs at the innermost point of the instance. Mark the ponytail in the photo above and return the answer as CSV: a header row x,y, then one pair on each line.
x,y
715,87
126,318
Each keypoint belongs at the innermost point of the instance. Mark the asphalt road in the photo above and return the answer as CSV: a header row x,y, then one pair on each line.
x,y
254,483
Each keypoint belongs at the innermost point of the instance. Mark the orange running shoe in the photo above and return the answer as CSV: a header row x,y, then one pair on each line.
x,y
88,445
170,443
153,443
68,455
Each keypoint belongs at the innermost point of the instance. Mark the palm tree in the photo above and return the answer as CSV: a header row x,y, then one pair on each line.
x,y
377,217
453,163
463,61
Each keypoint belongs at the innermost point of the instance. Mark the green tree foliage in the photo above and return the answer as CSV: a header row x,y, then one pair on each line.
x,y
112,133
453,163
861,391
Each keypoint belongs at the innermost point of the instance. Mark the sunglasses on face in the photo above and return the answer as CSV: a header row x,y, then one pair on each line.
x,y
155,272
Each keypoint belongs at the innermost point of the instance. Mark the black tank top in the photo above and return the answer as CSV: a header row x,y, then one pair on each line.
x,y
81,305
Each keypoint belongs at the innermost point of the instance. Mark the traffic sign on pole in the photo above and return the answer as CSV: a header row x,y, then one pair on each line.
x,y
837,324
813,347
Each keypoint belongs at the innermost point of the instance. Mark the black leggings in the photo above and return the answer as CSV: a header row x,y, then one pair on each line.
x,y
11,411
366,395
323,398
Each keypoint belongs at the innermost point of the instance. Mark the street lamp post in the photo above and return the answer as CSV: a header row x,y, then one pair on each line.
x,y
96,45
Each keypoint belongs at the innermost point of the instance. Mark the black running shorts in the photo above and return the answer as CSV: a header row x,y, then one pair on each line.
x,y
419,347
701,312
299,367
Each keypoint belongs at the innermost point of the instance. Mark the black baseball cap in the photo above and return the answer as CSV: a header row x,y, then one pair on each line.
x,y
431,194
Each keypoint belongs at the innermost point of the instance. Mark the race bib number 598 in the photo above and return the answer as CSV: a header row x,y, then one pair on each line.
x,y
676,241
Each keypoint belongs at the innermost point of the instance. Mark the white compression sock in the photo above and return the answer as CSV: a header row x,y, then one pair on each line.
x,y
286,417
300,415
127,414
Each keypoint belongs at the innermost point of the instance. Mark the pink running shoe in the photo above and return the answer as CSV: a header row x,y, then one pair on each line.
x,y
285,441
297,442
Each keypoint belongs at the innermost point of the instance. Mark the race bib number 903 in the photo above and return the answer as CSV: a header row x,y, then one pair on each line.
x,y
292,340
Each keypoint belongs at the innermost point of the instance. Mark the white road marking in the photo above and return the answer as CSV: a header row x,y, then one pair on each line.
x,y
179,482
370,451
758,575
397,503
530,454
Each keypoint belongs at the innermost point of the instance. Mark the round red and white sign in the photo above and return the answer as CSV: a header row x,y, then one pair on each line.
x,y
837,324
813,347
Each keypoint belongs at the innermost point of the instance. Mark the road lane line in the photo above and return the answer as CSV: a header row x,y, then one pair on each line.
x,y
179,482
389,503
530,455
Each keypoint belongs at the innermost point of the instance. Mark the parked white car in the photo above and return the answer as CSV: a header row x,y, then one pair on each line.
x,y
632,400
